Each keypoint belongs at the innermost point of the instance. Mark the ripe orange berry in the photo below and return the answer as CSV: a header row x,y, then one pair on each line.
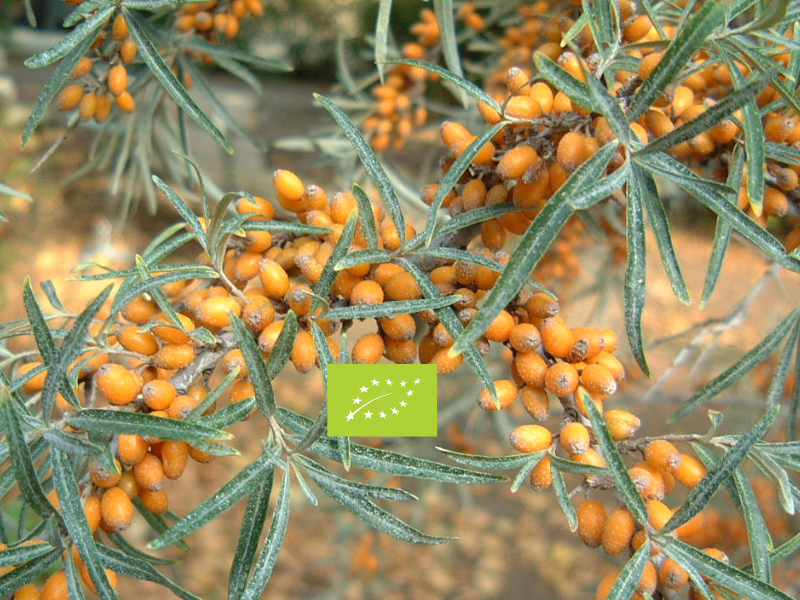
x,y
119,29
618,531
402,286
156,501
611,363
83,67
404,352
598,380
541,476
591,522
131,448
117,509
258,313
127,51
103,478
658,514
91,508
525,337
561,379
290,189
536,402
174,455
143,342
174,356
399,327
36,383
368,350
158,394
500,329
169,334
215,313
149,472
516,162
532,368
605,586
366,292
530,438
506,394
662,455
274,279
28,592
117,80
690,471
55,588
621,424
87,107
672,575
575,438
557,337
304,352
119,385
125,102
70,97
648,481
139,310
182,406
571,150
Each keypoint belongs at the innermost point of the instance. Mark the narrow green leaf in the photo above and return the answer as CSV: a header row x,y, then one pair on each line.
x,y
370,256
75,521
562,495
606,186
21,459
619,472
229,494
635,272
754,356
116,421
283,346
255,516
385,309
449,253
522,475
227,416
365,217
130,566
86,31
556,75
610,108
723,574
722,233
376,517
791,426
384,461
232,53
370,163
196,413
773,14
74,588
475,216
783,154
445,15
688,40
257,366
69,443
377,492
779,377
701,494
124,296
757,534
772,469
170,83
345,452
52,87
326,279
660,226
24,574
126,547
628,579
185,212
287,226
52,295
713,195
382,34
570,466
11,557
785,550
467,86
492,463
272,545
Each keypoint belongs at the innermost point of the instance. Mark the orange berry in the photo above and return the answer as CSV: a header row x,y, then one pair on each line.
x,y
119,385
169,334
598,380
404,352
83,67
506,394
500,329
536,402
541,476
156,501
117,509
174,455
561,379
368,350
274,279
366,292
591,522
776,204
525,337
605,586
399,327
55,588
28,592
158,394
87,107
290,189
215,313
128,485
402,286
571,150
557,337
672,575
530,438
258,313
174,356
658,514
117,80
648,580
139,310
532,368
103,478
182,406
610,362
690,471
621,424
618,531
662,455
149,472
304,352
143,342
91,508
36,383
127,51
648,482
575,438
119,29
70,97
125,102
131,448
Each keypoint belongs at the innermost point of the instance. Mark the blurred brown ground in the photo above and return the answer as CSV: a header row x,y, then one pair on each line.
x,y
510,545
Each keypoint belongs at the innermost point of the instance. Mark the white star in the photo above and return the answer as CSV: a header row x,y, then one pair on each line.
x,y
357,400
410,392
402,404
363,389
388,382
351,415
416,381
374,382
402,384
394,411
383,415
368,415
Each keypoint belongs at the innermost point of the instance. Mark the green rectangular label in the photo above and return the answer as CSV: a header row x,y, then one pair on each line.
x,y
382,400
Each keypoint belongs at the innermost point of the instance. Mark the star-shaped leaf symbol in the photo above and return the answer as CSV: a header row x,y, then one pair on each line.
x,y
383,415
357,400
351,415
388,382
394,411
416,381
403,404
363,389
374,382
368,415
410,392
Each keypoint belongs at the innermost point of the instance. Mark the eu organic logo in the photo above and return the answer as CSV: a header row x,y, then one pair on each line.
x,y
382,400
